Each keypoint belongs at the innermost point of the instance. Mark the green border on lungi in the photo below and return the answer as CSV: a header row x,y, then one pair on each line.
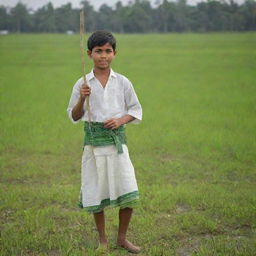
x,y
127,200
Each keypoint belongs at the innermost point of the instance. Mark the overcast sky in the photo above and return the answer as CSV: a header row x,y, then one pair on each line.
x,y
35,4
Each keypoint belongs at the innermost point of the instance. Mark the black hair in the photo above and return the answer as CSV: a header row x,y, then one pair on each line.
x,y
99,38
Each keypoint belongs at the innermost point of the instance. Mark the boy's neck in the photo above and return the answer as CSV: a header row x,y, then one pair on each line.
x,y
101,72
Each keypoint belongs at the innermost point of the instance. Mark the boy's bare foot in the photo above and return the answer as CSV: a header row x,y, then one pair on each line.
x,y
129,246
102,248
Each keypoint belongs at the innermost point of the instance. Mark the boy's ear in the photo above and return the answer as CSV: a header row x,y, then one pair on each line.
x,y
89,53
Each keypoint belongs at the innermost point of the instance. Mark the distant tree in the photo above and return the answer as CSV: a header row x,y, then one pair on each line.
x,y
136,17
44,19
4,19
146,6
66,18
105,18
124,19
248,10
235,20
20,19
218,20
201,17
181,16
117,19
164,16
90,16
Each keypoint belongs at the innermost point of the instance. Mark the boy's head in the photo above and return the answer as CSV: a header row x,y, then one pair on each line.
x,y
101,49
100,38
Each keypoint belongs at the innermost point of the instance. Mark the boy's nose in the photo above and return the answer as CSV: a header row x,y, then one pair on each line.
x,y
103,54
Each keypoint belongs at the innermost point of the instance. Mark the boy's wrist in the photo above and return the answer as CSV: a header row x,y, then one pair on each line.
x,y
126,119
122,121
82,99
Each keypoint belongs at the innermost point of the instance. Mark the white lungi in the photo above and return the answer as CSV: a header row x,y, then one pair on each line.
x,y
107,178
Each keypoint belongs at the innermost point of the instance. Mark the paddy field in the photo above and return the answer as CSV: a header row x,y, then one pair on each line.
x,y
194,153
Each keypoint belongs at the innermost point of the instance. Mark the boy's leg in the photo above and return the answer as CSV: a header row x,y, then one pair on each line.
x,y
124,220
100,224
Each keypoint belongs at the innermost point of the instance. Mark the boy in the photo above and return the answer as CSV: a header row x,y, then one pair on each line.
x,y
108,177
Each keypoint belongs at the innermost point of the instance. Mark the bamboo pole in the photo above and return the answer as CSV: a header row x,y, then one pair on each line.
x,y
82,30
84,74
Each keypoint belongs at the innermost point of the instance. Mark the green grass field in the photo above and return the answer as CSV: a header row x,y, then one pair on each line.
x,y
194,152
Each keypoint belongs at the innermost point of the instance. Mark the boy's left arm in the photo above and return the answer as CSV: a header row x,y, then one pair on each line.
x,y
132,103
134,110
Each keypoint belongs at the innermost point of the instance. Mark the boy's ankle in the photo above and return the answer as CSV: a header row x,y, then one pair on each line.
x,y
103,241
121,237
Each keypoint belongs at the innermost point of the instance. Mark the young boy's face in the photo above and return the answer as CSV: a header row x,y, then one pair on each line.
x,y
102,56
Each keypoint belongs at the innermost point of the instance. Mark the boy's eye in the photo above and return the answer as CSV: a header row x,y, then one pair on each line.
x,y
100,51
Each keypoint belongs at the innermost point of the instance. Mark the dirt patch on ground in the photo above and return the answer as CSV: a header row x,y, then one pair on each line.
x,y
190,245
182,208
167,157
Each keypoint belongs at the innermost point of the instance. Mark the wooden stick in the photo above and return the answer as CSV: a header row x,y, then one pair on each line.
x,y
83,60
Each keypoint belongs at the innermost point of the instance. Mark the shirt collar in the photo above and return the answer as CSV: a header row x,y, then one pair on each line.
x,y
90,76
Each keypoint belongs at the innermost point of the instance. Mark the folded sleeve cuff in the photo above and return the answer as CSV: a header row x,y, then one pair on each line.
x,y
136,115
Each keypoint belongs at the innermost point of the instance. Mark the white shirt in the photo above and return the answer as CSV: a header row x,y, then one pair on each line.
x,y
115,100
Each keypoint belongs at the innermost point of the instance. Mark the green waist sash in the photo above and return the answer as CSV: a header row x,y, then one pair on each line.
x,y
97,135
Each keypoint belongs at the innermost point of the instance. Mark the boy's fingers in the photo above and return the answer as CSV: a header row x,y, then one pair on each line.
x,y
85,90
108,123
85,86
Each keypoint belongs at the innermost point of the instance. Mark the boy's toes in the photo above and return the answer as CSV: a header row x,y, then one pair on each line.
x,y
102,249
129,246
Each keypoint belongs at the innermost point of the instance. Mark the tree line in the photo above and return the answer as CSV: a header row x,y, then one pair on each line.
x,y
136,17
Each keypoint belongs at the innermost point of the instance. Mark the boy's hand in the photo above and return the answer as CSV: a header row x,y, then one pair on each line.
x,y
85,91
113,123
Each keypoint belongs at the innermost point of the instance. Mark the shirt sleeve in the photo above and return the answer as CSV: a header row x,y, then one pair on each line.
x,y
74,99
132,103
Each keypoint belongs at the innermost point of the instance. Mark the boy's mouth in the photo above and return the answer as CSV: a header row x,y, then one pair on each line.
x,y
103,62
